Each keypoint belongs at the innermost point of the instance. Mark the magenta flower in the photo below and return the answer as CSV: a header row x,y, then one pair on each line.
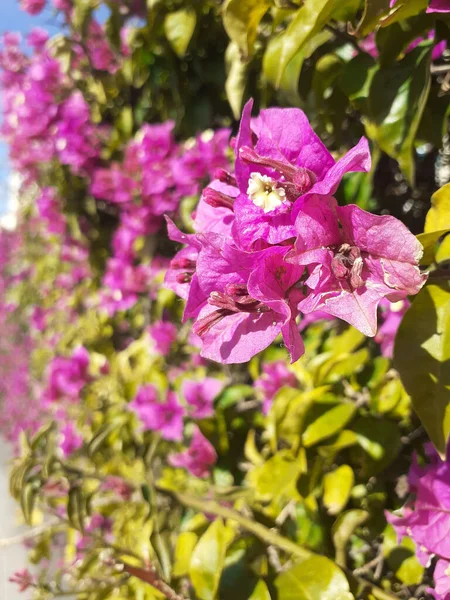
x,y
198,458
246,300
165,417
391,317
274,376
37,38
32,7
368,44
200,396
68,376
354,260
279,161
113,185
71,440
442,6
164,334
24,579
427,521
441,576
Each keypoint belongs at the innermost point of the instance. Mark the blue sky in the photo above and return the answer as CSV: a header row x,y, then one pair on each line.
x,y
14,19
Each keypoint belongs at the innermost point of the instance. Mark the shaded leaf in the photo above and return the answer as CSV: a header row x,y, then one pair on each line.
x,y
236,79
422,357
309,20
343,528
373,10
397,99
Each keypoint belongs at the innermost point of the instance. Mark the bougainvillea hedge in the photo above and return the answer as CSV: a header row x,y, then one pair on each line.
x,y
225,308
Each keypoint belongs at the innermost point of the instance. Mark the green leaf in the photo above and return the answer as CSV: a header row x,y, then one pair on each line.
x,y
356,78
75,508
404,9
316,578
311,17
422,357
82,12
401,558
346,439
337,486
431,243
275,476
288,85
373,10
260,592
241,19
397,99
343,528
179,27
186,543
207,561
438,217
236,79
380,440
328,424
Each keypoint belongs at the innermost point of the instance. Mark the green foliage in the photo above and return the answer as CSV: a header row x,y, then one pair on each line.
x,y
422,356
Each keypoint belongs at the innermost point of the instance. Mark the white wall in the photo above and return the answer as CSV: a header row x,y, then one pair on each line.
x,y
12,558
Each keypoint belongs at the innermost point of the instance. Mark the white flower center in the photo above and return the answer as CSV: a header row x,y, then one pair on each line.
x,y
263,192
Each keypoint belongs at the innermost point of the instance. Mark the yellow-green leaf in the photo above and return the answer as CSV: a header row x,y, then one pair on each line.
x,y
241,19
343,528
186,543
373,10
422,357
316,578
207,561
438,217
328,424
337,487
260,592
179,27
309,20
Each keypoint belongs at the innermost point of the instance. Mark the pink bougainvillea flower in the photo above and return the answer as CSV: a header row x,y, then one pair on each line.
x,y
165,417
24,579
71,440
200,396
442,6
369,45
163,334
247,300
427,522
354,260
215,211
68,376
198,458
274,376
280,160
441,576
391,316
32,7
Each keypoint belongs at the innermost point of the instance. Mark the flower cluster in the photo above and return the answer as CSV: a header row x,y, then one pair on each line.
x,y
426,518
272,243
